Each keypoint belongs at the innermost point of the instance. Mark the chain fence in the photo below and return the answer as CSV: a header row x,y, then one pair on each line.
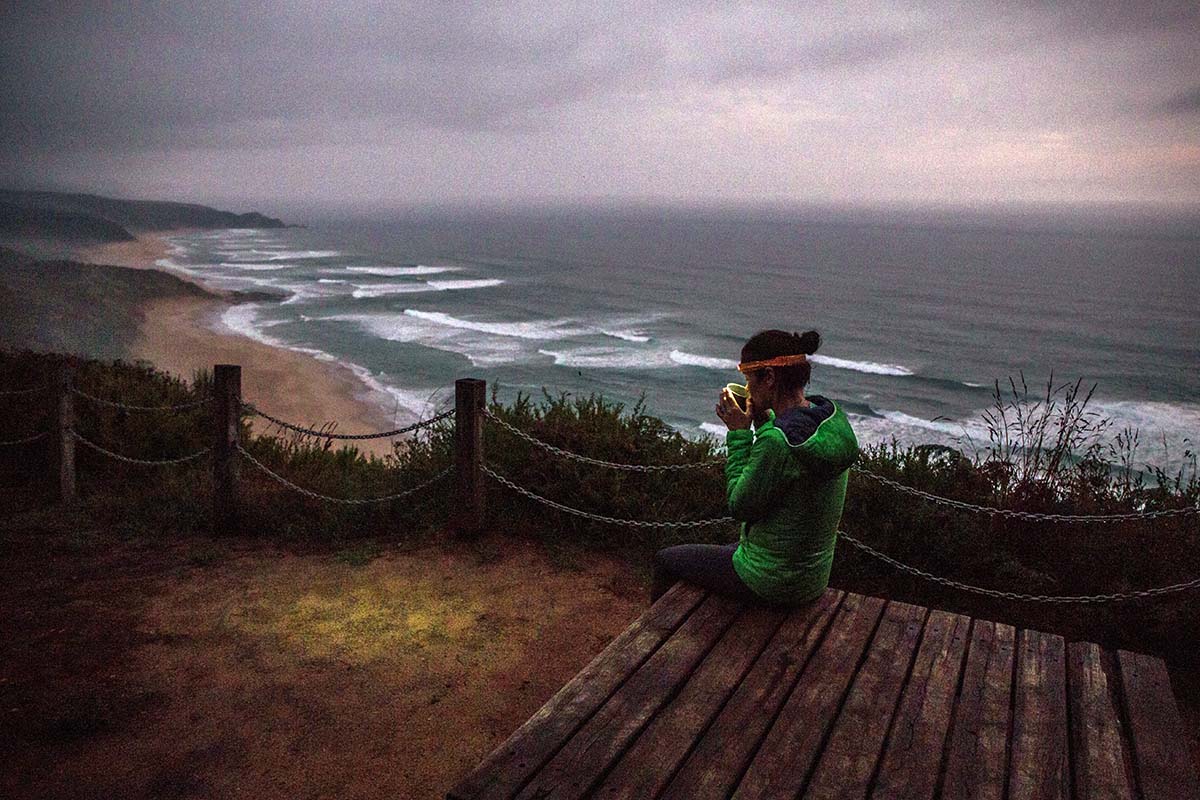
x,y
341,500
346,436
26,440
128,407
139,461
595,461
1113,597
1028,516
630,523
22,392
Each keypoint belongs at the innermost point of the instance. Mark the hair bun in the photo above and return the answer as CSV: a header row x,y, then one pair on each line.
x,y
809,341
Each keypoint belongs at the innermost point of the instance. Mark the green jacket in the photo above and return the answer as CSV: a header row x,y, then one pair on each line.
x,y
789,493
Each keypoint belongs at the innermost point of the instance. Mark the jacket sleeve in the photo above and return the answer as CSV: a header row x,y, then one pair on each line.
x,y
755,470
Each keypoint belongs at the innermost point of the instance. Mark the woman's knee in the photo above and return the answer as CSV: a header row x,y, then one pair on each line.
x,y
669,559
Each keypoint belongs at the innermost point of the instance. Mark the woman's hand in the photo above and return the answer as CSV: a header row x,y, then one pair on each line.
x,y
732,415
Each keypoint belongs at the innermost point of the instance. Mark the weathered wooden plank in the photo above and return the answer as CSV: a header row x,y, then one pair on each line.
x,y
793,743
1097,751
977,761
502,773
848,761
727,746
596,746
1039,766
646,767
1165,768
917,740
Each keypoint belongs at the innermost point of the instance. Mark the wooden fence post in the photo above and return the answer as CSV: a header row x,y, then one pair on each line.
x,y
63,446
226,405
469,400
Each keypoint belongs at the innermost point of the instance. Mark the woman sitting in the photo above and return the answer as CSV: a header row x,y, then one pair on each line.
x,y
786,482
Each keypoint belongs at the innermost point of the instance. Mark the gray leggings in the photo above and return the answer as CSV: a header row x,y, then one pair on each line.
x,y
709,566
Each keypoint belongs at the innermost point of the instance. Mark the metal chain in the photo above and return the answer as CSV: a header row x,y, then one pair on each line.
x,y
1006,595
595,461
959,504
1026,515
33,438
351,436
317,496
17,392
127,407
632,523
145,462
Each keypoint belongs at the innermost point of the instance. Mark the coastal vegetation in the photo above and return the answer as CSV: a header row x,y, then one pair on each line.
x,y
67,306
1046,454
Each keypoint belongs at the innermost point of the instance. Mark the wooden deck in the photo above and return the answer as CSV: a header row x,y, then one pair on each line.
x,y
853,696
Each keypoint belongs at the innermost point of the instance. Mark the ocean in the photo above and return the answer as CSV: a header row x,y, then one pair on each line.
x,y
919,315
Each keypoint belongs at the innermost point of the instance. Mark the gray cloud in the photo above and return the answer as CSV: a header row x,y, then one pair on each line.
x,y
1185,102
625,98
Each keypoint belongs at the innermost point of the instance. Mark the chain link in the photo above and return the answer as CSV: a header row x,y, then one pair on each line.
x,y
144,462
1017,596
632,523
1029,516
26,440
595,461
349,436
317,496
19,392
127,407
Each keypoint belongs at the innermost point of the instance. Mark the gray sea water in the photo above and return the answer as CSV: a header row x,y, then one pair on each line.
x,y
919,316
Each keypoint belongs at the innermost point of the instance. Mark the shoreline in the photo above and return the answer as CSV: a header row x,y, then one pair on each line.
x,y
182,335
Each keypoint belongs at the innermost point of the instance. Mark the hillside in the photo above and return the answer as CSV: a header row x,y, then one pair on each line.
x,y
66,306
19,222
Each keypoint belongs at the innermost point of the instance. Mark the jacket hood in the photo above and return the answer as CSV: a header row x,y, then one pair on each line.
x,y
820,435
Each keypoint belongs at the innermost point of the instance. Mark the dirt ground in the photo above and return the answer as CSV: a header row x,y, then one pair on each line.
x,y
180,668
202,668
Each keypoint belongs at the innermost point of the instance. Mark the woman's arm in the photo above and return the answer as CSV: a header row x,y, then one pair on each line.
x,y
755,470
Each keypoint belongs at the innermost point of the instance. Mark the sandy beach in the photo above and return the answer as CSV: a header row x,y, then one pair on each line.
x,y
183,335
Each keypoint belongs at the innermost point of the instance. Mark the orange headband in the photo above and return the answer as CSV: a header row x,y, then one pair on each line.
x,y
778,361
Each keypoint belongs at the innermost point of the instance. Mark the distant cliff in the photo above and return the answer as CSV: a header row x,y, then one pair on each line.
x,y
89,219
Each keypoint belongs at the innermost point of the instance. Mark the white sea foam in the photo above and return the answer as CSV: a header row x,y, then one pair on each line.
x,y
536,329
480,350
256,267
444,286
629,336
242,319
287,255
972,385
303,292
972,427
693,360
599,358
862,366
330,280
395,272
384,289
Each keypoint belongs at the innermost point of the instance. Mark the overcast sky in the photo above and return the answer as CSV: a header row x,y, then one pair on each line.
x,y
285,105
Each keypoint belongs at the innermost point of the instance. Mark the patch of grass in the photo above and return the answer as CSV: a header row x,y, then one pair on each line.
x,y
205,555
359,555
